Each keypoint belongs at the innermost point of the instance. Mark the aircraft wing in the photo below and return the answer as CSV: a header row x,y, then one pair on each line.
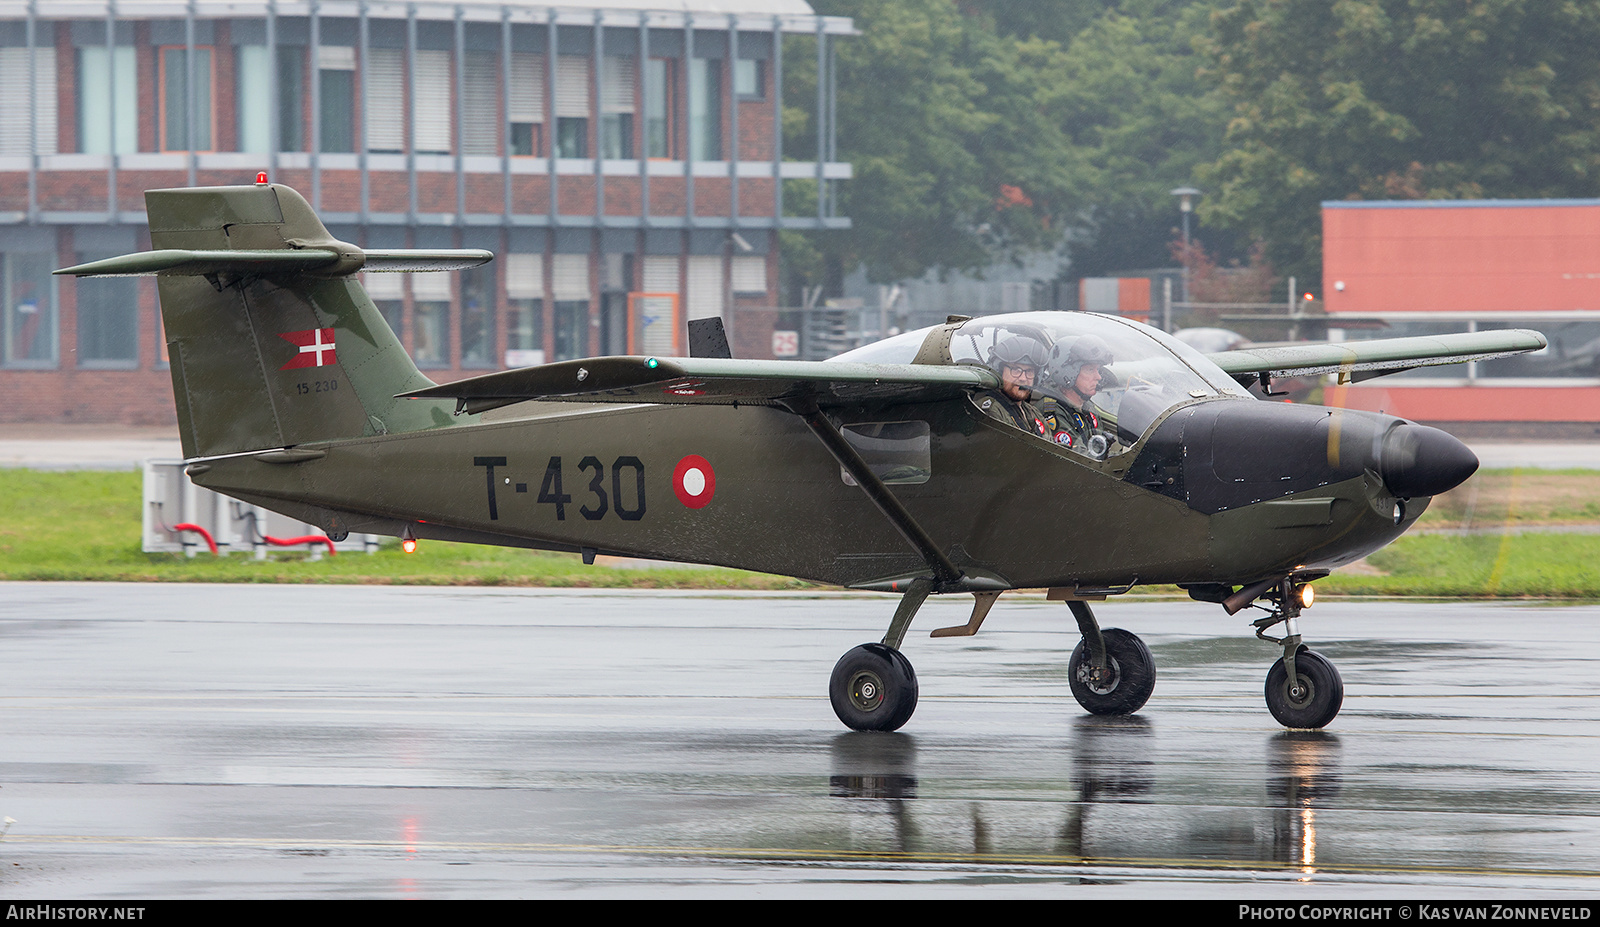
x,y
189,263
1361,360
711,381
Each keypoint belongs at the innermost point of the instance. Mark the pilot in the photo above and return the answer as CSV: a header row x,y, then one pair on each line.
x,y
1018,360
1077,375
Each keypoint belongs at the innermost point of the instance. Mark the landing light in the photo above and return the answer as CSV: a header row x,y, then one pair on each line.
x,y
1307,595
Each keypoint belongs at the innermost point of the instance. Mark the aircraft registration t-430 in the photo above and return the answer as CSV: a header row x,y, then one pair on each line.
x,y
909,465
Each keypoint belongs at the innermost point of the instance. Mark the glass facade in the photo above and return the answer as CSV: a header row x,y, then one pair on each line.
x,y
186,111
108,317
28,294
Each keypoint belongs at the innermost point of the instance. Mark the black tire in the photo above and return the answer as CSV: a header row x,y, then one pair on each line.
x,y
1133,675
873,688
1318,701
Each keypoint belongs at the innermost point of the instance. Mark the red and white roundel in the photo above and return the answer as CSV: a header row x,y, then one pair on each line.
x,y
694,481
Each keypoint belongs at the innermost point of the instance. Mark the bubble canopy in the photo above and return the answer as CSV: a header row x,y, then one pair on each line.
x,y
1149,371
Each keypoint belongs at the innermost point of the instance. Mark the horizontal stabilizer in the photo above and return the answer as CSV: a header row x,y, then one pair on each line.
x,y
711,381
1384,354
319,261
398,260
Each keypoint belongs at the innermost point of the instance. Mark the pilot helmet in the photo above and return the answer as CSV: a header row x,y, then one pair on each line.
x,y
1068,361
1018,351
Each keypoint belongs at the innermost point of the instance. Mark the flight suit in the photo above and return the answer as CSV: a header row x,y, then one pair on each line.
x,y
1069,426
1024,415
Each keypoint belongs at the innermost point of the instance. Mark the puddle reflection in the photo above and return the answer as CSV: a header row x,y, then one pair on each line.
x,y
1114,800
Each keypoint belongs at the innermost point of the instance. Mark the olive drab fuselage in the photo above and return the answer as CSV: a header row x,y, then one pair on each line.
x,y
606,478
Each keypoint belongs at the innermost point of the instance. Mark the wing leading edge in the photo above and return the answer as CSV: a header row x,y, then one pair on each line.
x,y
711,381
266,262
1361,360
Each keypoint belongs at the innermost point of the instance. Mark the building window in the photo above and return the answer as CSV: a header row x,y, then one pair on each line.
x,y
480,93
430,102
706,291
572,328
524,310
387,293
432,345
616,280
104,89
525,108
660,103
570,286
385,100
393,312
254,105
183,129
430,311
1571,355
28,295
524,332
1574,351
14,100
572,106
477,317
108,317
705,109
336,97
748,273
616,109
749,79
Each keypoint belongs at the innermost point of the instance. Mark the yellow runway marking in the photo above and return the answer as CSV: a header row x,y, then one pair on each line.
x,y
773,854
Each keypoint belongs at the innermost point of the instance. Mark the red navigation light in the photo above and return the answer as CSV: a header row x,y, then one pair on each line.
x,y
261,178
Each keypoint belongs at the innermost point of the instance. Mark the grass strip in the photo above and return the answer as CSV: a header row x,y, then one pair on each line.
x,y
84,525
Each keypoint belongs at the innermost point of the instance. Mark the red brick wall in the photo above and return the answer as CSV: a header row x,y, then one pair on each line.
x,y
143,395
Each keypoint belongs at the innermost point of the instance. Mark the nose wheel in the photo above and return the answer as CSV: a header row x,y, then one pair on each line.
x,y
1312,698
1304,689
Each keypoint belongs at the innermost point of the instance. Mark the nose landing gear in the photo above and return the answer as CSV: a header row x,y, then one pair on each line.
x,y
1304,689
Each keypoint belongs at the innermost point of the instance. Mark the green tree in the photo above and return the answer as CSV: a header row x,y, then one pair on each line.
x,y
1403,99
1139,124
956,160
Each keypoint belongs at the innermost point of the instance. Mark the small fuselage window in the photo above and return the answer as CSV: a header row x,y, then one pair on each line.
x,y
896,452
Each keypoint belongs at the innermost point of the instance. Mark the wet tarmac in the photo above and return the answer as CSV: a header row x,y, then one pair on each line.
x,y
166,741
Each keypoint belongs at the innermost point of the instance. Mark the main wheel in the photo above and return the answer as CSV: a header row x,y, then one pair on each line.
x,y
873,688
1314,701
1131,675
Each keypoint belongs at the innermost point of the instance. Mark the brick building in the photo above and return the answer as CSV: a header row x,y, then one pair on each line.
x,y
624,163
1394,268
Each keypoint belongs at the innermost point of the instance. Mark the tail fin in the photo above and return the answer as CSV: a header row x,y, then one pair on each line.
x,y
272,342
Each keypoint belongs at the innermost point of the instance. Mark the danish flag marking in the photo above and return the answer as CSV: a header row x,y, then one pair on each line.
x,y
316,348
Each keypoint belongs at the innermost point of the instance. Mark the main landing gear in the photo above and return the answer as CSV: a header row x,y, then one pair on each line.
x,y
874,688
1304,690
1110,671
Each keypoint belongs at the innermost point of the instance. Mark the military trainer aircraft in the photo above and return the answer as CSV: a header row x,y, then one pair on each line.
x,y
879,469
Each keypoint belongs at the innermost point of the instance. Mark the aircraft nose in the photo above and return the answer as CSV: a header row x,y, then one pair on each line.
x,y
1420,461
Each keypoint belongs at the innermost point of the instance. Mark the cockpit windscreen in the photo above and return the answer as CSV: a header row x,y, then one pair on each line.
x,y
1127,374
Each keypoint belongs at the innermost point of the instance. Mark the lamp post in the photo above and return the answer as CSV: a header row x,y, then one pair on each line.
x,y
1186,197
